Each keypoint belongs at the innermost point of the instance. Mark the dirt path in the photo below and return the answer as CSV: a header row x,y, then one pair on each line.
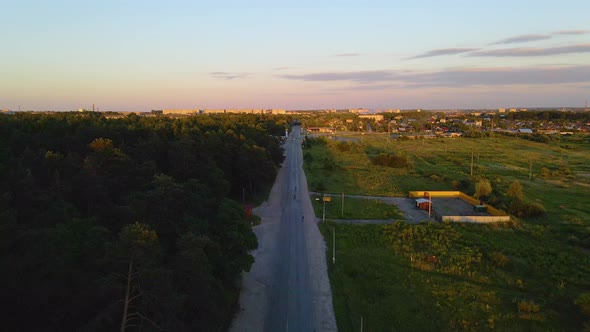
x,y
256,283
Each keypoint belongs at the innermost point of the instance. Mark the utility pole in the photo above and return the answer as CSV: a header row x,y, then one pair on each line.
x,y
342,204
471,162
389,131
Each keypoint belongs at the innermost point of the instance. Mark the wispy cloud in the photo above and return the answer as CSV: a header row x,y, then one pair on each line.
x,y
522,39
505,76
455,78
572,32
348,54
356,76
443,51
228,76
282,68
533,51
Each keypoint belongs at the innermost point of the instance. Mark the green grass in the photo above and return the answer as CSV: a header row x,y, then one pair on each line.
x,y
381,274
436,163
355,208
523,276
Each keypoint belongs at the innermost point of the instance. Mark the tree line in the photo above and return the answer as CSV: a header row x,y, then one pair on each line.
x,y
129,224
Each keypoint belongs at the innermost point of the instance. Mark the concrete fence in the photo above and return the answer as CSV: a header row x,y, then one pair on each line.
x,y
435,193
476,219
496,214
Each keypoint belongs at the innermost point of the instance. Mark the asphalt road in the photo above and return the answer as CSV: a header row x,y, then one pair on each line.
x,y
290,295
287,288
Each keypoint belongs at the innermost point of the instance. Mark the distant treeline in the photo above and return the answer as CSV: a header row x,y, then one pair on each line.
x,y
550,116
132,221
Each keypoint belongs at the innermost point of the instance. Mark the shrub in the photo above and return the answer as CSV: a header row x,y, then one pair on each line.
x,y
483,188
343,146
515,191
520,208
435,178
534,210
529,310
499,259
390,160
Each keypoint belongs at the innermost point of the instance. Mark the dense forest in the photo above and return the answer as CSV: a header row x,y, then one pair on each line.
x,y
135,222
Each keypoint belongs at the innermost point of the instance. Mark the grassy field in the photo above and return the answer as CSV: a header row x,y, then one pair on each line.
x,y
525,275
485,278
355,208
445,164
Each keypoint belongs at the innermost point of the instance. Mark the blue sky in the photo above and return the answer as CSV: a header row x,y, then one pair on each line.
x,y
143,55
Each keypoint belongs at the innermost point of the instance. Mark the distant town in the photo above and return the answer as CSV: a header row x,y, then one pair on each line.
x,y
407,124
359,111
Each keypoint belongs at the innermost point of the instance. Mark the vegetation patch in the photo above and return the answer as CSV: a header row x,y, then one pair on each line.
x,y
132,221
354,208
390,160
449,277
529,274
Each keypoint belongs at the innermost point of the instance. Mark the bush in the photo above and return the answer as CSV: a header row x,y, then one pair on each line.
x,y
515,191
534,210
435,178
526,210
529,310
390,160
344,147
499,259
483,188
528,306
